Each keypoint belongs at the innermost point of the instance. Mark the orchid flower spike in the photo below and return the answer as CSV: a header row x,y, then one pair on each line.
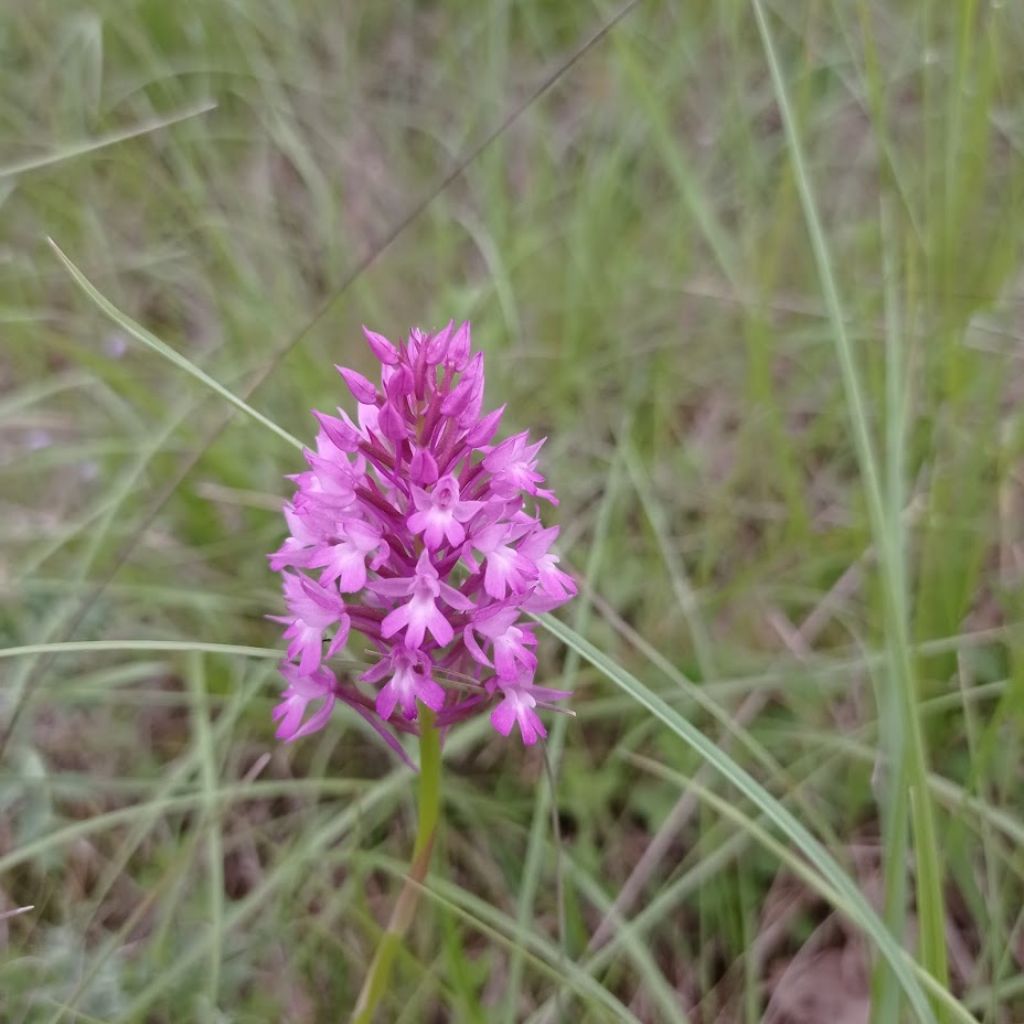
x,y
412,530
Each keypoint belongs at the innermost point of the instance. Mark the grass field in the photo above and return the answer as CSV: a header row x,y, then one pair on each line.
x,y
755,269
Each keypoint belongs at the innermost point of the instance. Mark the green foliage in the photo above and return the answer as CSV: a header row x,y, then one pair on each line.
x,y
754,269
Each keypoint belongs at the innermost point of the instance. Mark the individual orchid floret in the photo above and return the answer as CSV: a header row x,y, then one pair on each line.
x,y
517,708
424,536
313,609
420,613
303,690
554,587
343,557
440,515
333,481
409,680
513,465
385,352
505,568
299,547
511,644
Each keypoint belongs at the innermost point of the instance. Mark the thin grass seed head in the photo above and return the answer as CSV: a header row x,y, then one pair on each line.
x,y
411,528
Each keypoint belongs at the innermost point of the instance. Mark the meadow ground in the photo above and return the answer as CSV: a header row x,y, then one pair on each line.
x,y
754,268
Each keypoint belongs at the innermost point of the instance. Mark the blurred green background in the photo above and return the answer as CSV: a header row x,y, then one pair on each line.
x,y
771,325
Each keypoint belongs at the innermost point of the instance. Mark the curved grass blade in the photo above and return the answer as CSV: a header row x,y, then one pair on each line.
x,y
911,780
775,811
503,929
802,871
69,152
83,646
542,808
149,339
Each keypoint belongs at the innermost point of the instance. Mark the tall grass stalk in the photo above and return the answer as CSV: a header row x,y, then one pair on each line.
x,y
888,535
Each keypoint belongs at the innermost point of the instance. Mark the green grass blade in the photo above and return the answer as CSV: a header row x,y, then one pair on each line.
x,y
782,818
211,819
930,900
504,930
542,804
149,339
810,877
74,149
89,646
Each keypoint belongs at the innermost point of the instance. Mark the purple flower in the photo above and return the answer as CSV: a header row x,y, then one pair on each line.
x,y
517,709
409,681
313,609
343,557
554,587
440,514
514,466
420,613
427,543
302,690
505,567
511,644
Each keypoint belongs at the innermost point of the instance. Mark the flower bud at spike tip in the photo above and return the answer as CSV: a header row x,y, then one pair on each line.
x,y
458,348
362,390
412,530
380,346
339,433
438,344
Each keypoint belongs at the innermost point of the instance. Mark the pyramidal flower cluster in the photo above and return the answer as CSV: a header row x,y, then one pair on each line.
x,y
414,530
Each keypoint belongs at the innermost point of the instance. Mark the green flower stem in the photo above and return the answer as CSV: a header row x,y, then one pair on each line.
x,y
405,909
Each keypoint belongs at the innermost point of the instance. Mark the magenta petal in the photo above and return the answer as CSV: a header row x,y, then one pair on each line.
x,y
495,579
376,672
339,637
316,721
437,346
503,717
531,728
386,701
321,596
431,694
458,399
362,389
290,712
457,355
399,384
394,621
474,648
440,628
455,532
504,661
392,426
423,467
381,347
391,588
340,434
482,433
455,598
